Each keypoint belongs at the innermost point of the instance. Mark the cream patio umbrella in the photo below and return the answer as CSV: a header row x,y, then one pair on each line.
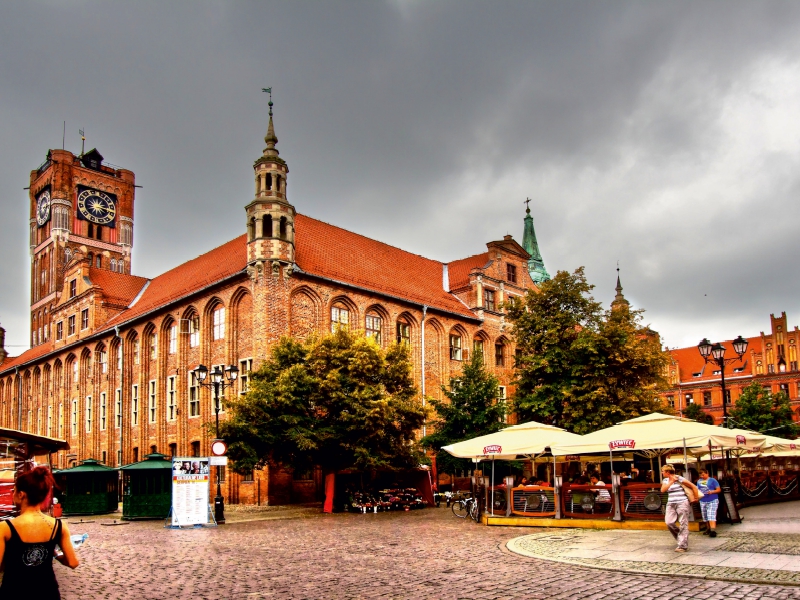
x,y
660,433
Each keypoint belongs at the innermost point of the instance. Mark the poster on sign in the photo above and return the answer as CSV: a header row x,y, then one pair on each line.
x,y
190,491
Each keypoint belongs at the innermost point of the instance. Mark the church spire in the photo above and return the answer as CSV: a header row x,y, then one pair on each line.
x,y
535,263
619,299
271,139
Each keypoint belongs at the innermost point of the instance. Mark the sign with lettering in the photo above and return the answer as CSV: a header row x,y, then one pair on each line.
x,y
740,439
572,458
190,478
617,444
492,449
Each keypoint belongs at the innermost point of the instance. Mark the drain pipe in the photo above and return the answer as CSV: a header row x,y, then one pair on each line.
x,y
19,398
422,361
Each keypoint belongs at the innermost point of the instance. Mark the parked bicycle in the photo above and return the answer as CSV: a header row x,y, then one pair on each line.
x,y
467,507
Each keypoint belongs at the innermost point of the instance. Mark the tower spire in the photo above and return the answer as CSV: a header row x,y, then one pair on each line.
x,y
535,263
271,139
619,299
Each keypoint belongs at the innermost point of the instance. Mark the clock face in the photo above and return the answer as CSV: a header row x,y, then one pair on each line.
x,y
218,448
43,208
96,207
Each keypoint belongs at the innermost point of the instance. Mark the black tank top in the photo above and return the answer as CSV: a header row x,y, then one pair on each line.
x,y
29,567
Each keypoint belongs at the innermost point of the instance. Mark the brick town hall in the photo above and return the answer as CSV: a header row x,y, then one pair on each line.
x,y
110,367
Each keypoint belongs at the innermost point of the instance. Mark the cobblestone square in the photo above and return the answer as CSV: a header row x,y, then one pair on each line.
x,y
419,554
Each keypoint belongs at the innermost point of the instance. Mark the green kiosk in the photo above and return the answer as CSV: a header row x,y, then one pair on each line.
x,y
89,488
147,488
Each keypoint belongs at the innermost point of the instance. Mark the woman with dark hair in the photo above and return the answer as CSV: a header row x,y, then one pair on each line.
x,y
27,543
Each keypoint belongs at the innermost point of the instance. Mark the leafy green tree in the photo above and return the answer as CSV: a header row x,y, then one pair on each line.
x,y
761,410
581,367
694,411
471,408
340,402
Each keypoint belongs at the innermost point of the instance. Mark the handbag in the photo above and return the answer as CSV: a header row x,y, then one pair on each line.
x,y
692,491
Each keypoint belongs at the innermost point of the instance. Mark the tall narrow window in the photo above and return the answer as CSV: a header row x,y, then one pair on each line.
x,y
102,358
455,347
501,396
477,348
38,421
60,330
171,408
61,421
194,331
71,325
403,333
266,226
73,288
85,319
103,411
153,345
49,421
218,325
118,407
488,299
245,366
136,351
119,358
499,355
194,396
74,427
195,446
75,370
373,327
340,318
173,339
135,405
152,401
88,414
511,273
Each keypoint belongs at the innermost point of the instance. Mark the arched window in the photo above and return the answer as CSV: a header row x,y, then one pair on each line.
x,y
455,346
113,264
218,323
98,261
403,332
269,181
373,326
340,317
251,229
278,183
91,259
478,349
266,226
282,229
500,354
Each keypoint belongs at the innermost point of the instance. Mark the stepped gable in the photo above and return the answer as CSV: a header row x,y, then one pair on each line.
x,y
329,251
119,289
459,270
192,276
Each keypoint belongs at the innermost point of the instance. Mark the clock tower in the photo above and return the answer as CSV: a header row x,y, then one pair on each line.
x,y
80,209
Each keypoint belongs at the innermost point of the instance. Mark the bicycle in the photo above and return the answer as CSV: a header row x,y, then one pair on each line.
x,y
468,507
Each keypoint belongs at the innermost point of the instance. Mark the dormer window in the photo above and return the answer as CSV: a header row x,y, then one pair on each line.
x,y
85,318
511,273
73,288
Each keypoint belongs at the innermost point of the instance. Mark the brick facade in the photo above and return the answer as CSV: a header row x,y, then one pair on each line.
x,y
770,359
111,370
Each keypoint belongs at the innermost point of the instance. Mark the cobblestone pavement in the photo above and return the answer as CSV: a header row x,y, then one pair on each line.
x,y
419,554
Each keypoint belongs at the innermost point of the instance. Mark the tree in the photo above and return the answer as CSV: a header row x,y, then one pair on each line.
x,y
471,408
761,410
339,402
694,411
580,367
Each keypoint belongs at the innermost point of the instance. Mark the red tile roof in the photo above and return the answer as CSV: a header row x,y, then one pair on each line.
x,y
459,269
329,251
690,362
118,288
26,356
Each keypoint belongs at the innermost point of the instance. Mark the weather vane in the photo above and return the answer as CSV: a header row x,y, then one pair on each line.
x,y
83,139
527,204
269,91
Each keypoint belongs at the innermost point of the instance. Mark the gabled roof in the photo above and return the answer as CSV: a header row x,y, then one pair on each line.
x,y
26,356
118,288
690,362
459,270
329,251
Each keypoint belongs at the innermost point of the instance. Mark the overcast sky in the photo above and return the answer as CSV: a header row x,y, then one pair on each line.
x,y
662,135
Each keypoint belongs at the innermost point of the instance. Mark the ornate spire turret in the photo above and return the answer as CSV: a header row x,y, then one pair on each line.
x,y
271,139
619,299
535,263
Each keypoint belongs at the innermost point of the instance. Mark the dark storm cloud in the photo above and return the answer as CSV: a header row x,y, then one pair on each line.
x,y
654,133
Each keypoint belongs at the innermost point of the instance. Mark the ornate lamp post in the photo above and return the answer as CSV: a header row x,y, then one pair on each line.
x,y
715,354
219,381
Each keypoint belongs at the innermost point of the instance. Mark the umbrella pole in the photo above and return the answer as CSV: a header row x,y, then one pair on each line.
x,y
553,478
492,485
686,460
710,454
611,461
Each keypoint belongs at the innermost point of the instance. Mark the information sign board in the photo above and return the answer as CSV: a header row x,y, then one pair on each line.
x,y
190,478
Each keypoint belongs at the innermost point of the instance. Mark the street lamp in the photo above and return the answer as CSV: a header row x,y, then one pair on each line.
x,y
219,380
715,354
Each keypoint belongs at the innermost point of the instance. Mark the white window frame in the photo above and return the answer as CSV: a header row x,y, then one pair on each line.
x,y
194,331
373,327
74,427
118,408
152,401
245,368
456,349
103,411
218,323
172,392
173,338
193,396
88,414
135,405
153,346
340,318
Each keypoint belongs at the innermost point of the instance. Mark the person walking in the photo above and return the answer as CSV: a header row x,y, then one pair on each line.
x,y
678,505
28,542
709,503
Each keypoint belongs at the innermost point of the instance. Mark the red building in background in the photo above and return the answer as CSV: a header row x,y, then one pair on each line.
x,y
771,360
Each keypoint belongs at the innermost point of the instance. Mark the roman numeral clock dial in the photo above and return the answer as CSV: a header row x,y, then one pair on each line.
x,y
96,207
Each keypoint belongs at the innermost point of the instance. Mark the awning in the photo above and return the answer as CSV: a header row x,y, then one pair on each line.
x,y
523,440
